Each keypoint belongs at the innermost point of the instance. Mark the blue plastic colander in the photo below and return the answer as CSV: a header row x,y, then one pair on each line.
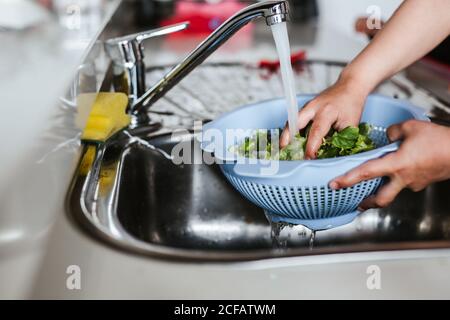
x,y
298,191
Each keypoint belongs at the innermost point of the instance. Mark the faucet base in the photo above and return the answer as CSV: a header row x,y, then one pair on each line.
x,y
142,122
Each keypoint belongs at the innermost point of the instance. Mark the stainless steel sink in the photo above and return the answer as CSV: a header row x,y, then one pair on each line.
x,y
130,195
138,199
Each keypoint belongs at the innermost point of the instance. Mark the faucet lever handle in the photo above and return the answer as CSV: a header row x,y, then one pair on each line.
x,y
127,56
161,31
148,34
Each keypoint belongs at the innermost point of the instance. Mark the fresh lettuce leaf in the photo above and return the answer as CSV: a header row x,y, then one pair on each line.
x,y
351,140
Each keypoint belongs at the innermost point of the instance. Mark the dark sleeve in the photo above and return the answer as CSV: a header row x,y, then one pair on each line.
x,y
442,52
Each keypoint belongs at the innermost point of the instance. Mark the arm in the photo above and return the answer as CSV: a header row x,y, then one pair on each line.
x,y
415,28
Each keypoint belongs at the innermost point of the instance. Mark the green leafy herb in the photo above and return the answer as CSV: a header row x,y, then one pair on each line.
x,y
351,140
295,150
346,138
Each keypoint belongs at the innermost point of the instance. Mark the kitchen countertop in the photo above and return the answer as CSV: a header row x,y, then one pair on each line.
x,y
38,64
39,241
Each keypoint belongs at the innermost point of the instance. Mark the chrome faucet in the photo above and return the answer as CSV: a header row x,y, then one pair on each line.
x,y
127,54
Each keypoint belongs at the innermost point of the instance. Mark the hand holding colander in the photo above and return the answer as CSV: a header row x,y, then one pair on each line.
x,y
298,191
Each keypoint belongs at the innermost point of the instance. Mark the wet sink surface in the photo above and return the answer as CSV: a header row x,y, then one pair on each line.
x,y
192,211
185,206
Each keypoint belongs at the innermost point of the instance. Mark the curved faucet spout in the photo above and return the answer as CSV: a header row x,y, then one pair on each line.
x,y
273,11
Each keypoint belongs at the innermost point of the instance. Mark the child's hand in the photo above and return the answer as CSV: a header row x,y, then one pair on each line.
x,y
423,158
390,51
338,106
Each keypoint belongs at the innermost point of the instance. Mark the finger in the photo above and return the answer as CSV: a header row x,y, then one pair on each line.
x,y
306,114
368,170
320,127
385,195
395,132
284,138
341,124
402,130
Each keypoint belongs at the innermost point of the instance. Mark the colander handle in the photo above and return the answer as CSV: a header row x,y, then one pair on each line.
x,y
392,147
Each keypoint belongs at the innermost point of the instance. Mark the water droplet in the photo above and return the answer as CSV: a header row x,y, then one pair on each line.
x,y
275,232
311,239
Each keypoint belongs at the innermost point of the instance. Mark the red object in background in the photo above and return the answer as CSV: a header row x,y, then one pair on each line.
x,y
274,65
46,3
204,17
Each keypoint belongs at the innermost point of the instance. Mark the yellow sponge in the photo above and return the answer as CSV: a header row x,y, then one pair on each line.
x,y
106,117
87,160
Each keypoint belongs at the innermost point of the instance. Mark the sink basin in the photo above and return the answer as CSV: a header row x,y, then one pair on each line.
x,y
129,195
142,201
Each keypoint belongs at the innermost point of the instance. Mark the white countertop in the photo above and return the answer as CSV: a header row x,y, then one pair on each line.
x,y
37,66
